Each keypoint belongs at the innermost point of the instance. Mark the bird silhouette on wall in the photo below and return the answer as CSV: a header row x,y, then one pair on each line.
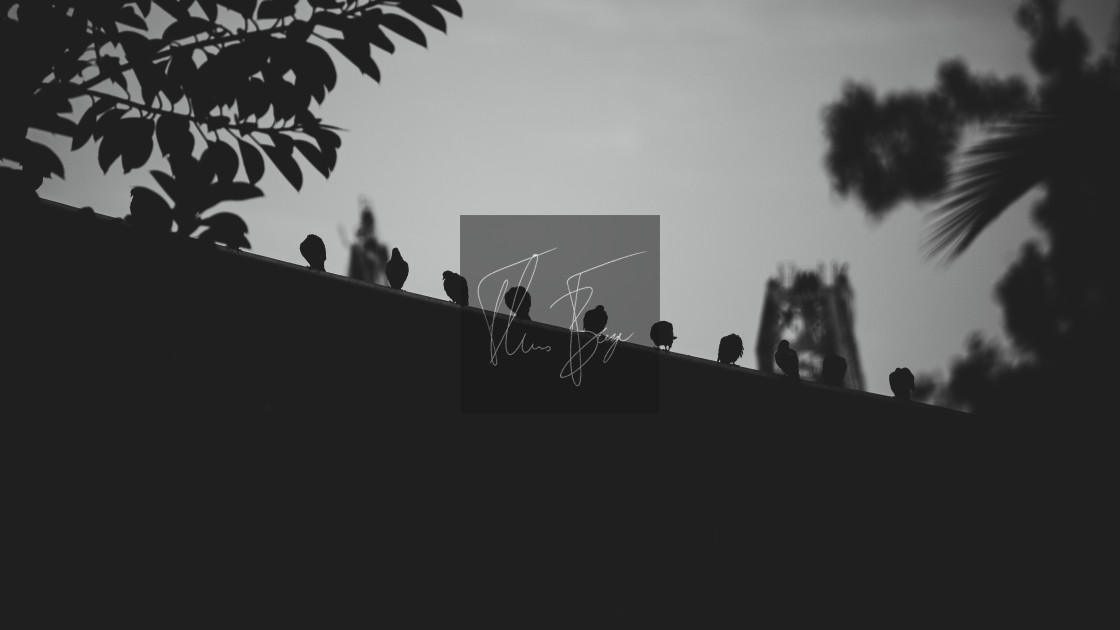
x,y
730,349
595,320
833,370
902,383
397,270
314,252
148,210
786,358
455,286
662,335
518,301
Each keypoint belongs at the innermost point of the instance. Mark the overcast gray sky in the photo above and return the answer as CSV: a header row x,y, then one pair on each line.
x,y
705,112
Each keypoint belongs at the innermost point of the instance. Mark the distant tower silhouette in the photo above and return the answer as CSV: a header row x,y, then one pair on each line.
x,y
368,255
815,316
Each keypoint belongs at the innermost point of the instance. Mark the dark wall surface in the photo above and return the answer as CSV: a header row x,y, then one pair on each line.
x,y
197,429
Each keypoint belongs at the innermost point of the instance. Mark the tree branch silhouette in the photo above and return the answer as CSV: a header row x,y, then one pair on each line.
x,y
230,79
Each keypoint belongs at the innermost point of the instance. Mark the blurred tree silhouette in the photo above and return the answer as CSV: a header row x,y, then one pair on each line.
x,y
239,75
1062,136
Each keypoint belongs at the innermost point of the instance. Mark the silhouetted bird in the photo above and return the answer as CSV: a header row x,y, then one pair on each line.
x,y
314,252
595,320
730,349
148,210
662,335
518,301
834,369
396,270
902,383
455,286
786,358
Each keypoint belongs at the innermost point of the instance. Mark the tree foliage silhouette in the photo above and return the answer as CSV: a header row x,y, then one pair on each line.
x,y
1063,137
225,85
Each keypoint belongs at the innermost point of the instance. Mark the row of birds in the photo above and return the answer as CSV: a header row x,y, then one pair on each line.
x,y
832,371
396,270
519,302
455,286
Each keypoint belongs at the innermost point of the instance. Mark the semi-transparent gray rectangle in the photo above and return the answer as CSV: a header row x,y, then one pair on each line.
x,y
545,360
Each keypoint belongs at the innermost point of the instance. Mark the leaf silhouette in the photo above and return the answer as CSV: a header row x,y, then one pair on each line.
x,y
227,228
358,54
111,67
186,27
372,32
174,135
276,9
329,20
254,163
298,31
87,123
218,192
245,7
314,65
451,6
234,191
111,147
236,241
181,73
226,222
168,184
330,157
40,160
129,17
286,164
314,157
175,8
424,12
252,98
52,123
325,137
138,48
405,28
191,174
210,8
222,159
106,122
136,138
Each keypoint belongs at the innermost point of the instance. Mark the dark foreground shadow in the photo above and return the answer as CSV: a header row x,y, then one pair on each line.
x,y
215,433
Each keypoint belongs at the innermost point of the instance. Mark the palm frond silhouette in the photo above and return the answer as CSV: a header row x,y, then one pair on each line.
x,y
994,174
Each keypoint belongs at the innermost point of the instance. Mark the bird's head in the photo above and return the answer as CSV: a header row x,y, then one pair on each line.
x,y
447,275
901,380
396,253
783,344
